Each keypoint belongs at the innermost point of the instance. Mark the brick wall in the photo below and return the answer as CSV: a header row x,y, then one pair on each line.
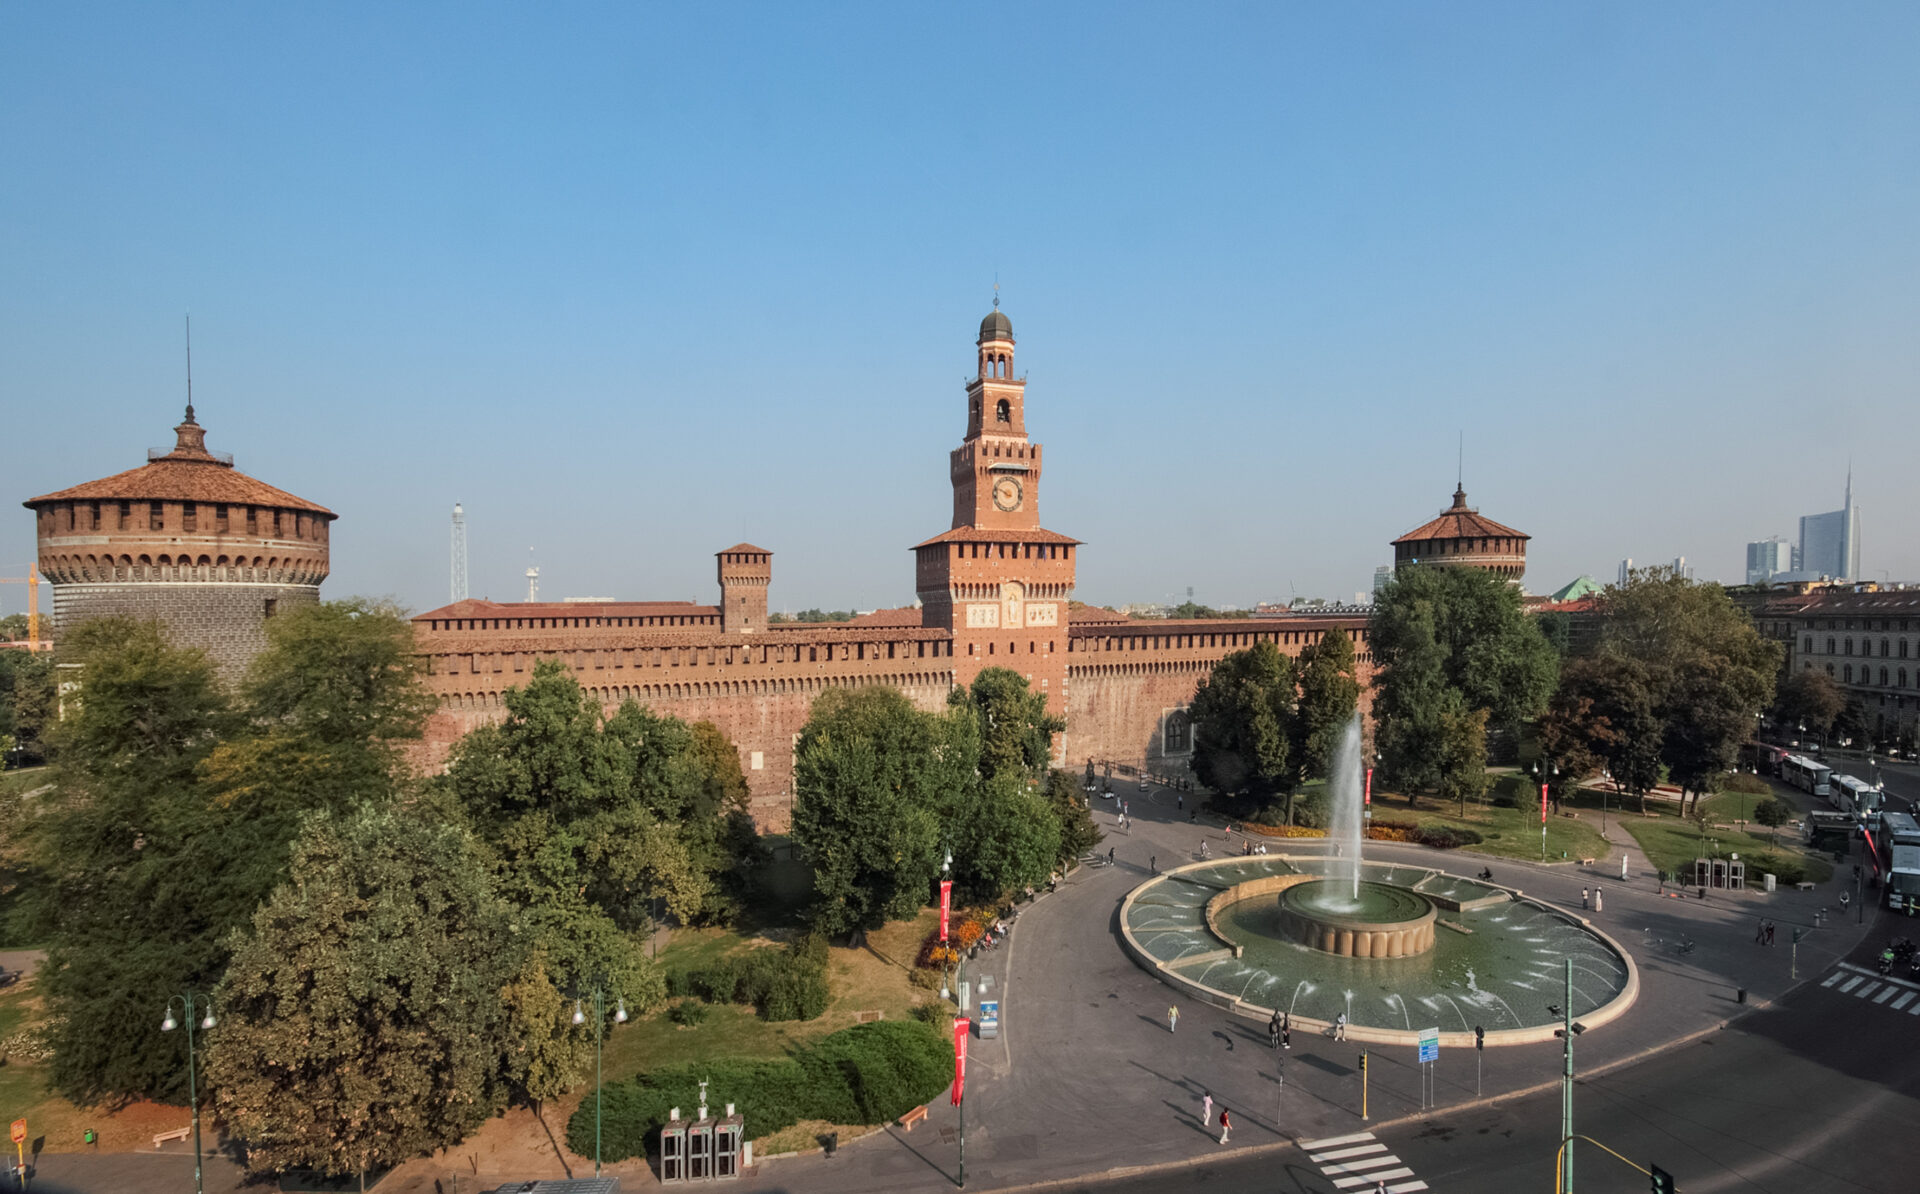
x,y
227,620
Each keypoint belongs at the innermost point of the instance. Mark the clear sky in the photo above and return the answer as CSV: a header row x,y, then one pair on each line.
x,y
635,282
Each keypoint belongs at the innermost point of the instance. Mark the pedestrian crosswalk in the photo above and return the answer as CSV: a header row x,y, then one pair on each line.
x,y
1894,994
1361,1164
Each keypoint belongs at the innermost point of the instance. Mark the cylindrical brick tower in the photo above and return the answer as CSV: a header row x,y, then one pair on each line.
x,y
188,540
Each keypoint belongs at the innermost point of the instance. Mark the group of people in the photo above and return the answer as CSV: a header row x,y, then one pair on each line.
x,y
1250,848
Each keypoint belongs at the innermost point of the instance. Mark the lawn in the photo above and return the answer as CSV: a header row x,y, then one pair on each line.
x,y
1672,843
1506,832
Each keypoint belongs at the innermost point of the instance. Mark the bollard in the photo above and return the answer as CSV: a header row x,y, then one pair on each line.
x,y
1740,995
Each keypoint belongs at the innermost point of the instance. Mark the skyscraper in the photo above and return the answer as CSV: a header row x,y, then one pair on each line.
x,y
1830,543
1767,559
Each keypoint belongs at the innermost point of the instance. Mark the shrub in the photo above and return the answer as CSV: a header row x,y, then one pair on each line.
x,y
688,1013
936,1014
868,1074
1440,837
1741,782
1509,790
788,984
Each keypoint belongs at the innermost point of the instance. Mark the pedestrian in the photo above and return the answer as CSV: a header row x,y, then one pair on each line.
x,y
1206,1108
1226,1125
1596,900
1207,852
1583,898
1286,1030
1380,1186
1153,863
1760,933
1623,868
1769,932
1273,1033
1340,1027
1173,1018
1110,855
1180,801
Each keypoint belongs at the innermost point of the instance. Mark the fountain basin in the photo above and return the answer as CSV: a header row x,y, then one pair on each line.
x,y
1382,922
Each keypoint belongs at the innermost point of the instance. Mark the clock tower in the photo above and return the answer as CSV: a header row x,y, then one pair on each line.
x,y
997,580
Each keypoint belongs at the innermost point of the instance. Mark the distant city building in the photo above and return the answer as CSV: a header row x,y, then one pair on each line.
x,y
1830,543
1463,538
1680,569
1382,577
1767,559
1867,639
1626,571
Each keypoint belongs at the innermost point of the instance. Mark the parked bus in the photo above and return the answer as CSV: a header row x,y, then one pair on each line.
x,y
1855,796
1813,778
1765,758
1900,845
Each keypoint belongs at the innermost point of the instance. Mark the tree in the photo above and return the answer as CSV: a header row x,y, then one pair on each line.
x,y
1329,694
1016,731
1708,671
1463,753
1773,813
361,1020
1243,714
1078,833
1809,699
26,701
876,786
1609,702
1436,631
1572,735
1009,838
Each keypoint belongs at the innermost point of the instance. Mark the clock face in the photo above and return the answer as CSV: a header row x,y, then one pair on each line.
x,y
1006,493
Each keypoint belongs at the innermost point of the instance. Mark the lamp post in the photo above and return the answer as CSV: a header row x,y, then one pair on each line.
x,y
187,1003
959,981
1568,1029
599,997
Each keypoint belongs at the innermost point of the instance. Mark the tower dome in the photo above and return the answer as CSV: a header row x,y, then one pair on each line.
x,y
996,326
188,540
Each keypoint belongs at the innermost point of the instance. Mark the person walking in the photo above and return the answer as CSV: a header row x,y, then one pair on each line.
x,y
1340,1027
1226,1125
1769,932
1205,850
1286,1030
1153,863
1760,933
1273,1032
1110,850
1173,1018
1583,899
1180,801
1597,903
1206,1108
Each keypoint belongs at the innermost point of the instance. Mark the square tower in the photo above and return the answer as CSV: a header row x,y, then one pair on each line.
x,y
745,573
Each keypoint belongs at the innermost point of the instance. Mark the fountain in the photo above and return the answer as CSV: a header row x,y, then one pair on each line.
x,y
1325,934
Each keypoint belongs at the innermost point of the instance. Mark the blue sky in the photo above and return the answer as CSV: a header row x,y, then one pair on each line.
x,y
635,282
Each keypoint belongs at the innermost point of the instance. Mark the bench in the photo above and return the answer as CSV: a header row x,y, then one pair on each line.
x,y
161,1138
1803,886
913,1117
1586,862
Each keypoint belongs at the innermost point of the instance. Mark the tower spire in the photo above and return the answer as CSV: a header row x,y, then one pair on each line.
x,y
189,368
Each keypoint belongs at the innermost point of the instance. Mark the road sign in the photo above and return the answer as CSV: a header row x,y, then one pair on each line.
x,y
19,1131
1429,1044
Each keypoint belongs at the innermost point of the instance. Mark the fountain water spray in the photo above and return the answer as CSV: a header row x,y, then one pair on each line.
x,y
1344,793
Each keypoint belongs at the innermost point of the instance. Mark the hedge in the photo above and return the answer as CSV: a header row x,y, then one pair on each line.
x,y
1440,837
788,984
868,1074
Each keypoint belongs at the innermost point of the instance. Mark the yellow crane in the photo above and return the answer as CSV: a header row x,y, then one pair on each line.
x,y
32,581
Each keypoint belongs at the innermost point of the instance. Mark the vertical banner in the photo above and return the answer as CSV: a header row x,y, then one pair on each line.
x,y
961,1027
1543,804
946,905
1369,800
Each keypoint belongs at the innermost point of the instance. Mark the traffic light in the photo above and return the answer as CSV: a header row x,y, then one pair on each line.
x,y
1662,1180
1479,1037
1363,1063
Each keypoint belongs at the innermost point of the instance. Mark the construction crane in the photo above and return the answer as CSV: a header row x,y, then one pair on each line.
x,y
32,581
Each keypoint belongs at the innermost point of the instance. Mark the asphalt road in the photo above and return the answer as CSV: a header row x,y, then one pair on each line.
x,y
1820,1092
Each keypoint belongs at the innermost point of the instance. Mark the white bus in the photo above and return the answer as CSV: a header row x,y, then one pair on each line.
x,y
1807,775
1900,845
1855,796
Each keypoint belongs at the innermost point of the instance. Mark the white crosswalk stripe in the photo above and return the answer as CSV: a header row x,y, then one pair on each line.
x,y
1887,994
1850,984
1896,1005
1833,978
1361,1164
1865,991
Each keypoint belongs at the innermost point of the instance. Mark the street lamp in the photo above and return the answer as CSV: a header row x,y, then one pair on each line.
x,y
959,981
599,998
187,1003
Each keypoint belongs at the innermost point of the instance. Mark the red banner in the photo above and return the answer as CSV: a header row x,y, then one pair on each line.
x,y
946,905
961,1027
1543,804
1369,787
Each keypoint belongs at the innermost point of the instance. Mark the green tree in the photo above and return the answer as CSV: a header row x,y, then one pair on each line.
x,y
361,1018
1772,813
1078,833
877,786
1708,669
1009,838
1016,731
1243,714
114,887
26,700
1329,694
1436,631
1809,699
1463,754
1605,704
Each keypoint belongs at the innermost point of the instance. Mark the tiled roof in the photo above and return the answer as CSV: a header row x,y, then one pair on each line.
x,y
906,615
189,473
476,608
1459,521
743,548
1903,602
988,535
1095,615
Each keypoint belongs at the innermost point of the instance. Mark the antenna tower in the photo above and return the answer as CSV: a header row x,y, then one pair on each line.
x,y
533,580
459,585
